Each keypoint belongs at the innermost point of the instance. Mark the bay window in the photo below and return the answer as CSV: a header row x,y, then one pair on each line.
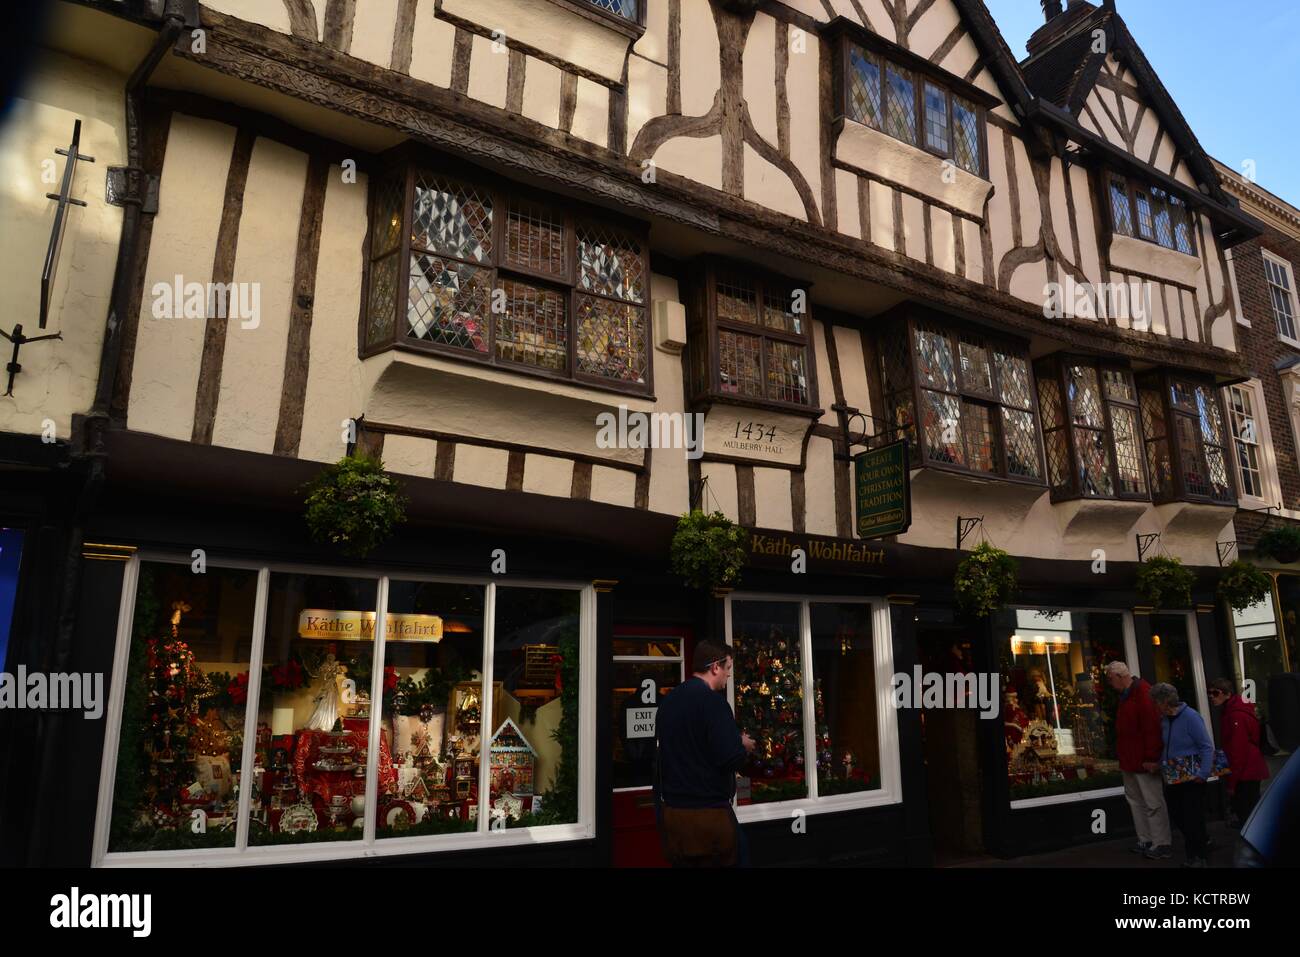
x,y
965,401
465,266
1184,439
1152,213
1090,429
259,709
750,338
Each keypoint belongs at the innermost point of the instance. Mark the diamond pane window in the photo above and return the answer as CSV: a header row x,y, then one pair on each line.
x,y
1058,459
611,340
1049,403
934,363
966,133
1182,219
787,377
386,232
1121,215
1094,464
1118,385
977,432
737,302
1013,379
1146,227
534,329
863,88
610,265
448,302
535,238
1191,459
626,9
976,373
1085,397
900,104
741,363
936,118
1163,223
1022,443
380,300
778,313
1128,459
941,424
451,218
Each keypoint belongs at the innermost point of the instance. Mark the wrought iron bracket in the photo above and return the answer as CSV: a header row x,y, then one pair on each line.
x,y
19,340
1224,549
131,186
1144,543
965,526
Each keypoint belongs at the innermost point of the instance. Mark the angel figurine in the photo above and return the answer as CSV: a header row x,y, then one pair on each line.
x,y
327,702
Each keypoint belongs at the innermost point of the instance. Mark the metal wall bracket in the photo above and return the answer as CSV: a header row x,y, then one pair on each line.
x,y
1144,544
64,199
19,340
1224,549
130,185
965,526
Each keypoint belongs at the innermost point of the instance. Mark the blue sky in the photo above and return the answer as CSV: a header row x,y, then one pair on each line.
x,y
1232,68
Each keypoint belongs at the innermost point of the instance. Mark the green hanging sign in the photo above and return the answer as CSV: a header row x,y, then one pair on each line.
x,y
882,482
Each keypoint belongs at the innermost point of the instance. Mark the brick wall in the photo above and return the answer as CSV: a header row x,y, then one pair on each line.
x,y
1262,349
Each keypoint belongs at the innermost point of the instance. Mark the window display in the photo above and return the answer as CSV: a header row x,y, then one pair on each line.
x,y
848,741
1058,711
1172,650
178,759
768,680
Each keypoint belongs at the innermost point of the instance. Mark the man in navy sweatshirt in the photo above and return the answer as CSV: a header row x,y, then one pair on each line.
x,y
700,751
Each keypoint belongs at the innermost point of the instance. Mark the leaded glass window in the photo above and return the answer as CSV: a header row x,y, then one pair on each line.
x,y
1186,441
914,106
1121,217
758,325
974,399
1090,427
1151,213
490,273
627,9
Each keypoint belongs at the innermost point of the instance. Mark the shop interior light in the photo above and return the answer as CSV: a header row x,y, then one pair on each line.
x,y
1155,640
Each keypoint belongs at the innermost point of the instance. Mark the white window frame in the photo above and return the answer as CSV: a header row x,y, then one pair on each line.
x,y
1130,659
242,854
891,788
1271,492
1285,266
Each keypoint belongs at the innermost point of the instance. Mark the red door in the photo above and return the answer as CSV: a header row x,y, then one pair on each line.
x,y
648,662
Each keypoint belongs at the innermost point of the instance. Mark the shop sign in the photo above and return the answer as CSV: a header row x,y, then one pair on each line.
x,y
753,435
640,710
360,626
839,554
881,481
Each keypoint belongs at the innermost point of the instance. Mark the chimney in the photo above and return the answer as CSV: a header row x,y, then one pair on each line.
x,y
1051,10
1058,23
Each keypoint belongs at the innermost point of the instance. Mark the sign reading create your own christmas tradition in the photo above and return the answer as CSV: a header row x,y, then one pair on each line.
x,y
882,483
360,626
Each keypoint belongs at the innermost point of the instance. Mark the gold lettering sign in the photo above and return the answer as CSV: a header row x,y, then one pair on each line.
x,y
360,626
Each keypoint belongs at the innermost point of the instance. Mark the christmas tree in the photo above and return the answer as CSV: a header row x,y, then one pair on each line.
x,y
769,706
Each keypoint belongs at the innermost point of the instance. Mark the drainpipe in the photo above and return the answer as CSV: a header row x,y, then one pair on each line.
x,y
88,445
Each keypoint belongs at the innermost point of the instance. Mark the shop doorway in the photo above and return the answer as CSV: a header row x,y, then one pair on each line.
x,y
648,663
950,741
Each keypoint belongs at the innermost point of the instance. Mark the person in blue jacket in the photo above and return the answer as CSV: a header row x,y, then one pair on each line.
x,y
1187,746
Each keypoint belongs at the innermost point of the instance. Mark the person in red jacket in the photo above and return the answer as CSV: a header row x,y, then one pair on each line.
x,y
1239,732
1138,744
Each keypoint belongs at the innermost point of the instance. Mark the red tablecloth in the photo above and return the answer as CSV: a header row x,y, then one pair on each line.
x,y
329,783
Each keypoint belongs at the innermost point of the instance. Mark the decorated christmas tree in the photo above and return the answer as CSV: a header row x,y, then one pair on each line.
x,y
769,699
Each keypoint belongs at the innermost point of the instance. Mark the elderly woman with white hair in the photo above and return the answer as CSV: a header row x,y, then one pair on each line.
x,y
1187,762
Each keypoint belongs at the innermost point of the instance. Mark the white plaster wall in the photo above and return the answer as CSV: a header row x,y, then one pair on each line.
x,y
914,227
431,46
653,44
647,95
770,187
772,503
58,377
973,244
1031,212
701,69
846,203
721,494
615,486
933,28
266,12
669,470
548,475
489,69
944,246
698,158
881,199
879,19
1146,137
372,30
1060,211
334,375
591,114
480,465
853,370
410,455
252,370
819,487
803,89
1028,283
1165,156
542,92
184,241
825,385
1000,202
1079,186
759,67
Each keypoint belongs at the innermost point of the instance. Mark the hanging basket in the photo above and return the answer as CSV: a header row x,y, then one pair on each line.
x,y
1242,585
1281,543
708,550
985,581
1165,583
353,505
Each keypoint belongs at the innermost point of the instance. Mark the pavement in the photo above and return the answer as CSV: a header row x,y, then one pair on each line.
x,y
1115,853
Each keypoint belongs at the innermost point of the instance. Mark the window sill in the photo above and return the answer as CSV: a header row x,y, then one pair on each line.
x,y
1194,520
428,393
1288,342
1138,255
576,32
878,153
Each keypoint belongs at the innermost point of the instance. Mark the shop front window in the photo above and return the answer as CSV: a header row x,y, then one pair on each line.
x,y
181,744
1171,646
1259,647
808,700
342,656
1058,710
